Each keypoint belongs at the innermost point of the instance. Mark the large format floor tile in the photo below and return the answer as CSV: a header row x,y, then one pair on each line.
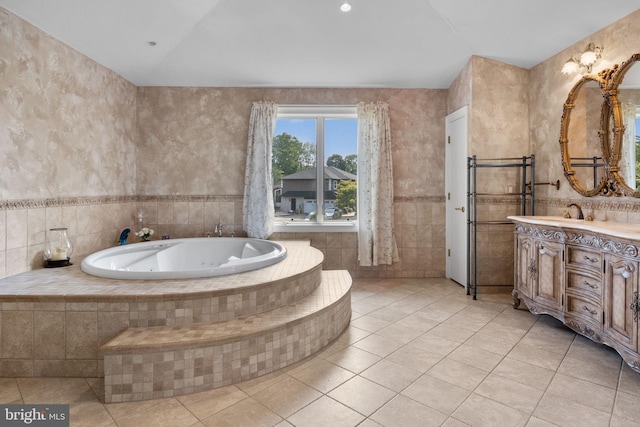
x,y
418,352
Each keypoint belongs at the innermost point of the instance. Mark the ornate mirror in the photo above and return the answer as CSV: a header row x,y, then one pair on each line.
x,y
624,99
584,137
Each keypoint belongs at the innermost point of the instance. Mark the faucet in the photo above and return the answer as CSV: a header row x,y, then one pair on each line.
x,y
580,215
122,240
218,229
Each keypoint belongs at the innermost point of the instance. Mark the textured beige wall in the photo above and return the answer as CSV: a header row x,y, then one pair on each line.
x,y
194,142
67,125
548,91
67,146
459,92
498,128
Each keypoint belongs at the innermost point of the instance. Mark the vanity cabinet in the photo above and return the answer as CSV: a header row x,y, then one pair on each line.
x,y
586,275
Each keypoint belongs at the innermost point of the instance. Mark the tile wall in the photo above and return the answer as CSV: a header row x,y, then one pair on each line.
x,y
96,223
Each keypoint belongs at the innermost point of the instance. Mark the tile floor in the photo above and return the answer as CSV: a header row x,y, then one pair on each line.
x,y
419,352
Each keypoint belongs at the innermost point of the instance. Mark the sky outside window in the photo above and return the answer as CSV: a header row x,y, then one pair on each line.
x,y
340,134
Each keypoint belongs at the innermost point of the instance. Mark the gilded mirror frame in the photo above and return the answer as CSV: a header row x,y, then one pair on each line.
x,y
603,187
616,77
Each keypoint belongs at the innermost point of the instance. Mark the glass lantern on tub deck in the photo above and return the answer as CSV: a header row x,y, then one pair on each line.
x,y
58,248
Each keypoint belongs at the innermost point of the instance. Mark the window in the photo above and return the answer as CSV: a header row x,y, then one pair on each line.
x,y
314,166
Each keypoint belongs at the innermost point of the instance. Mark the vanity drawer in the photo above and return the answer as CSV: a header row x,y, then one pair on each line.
x,y
578,256
582,281
584,307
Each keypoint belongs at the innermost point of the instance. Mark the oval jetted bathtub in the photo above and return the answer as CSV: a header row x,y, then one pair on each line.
x,y
184,258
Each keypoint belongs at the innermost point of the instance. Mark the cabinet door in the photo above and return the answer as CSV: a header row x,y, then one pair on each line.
x,y
621,281
548,281
525,265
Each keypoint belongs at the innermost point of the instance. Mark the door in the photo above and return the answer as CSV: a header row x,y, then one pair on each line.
x,y
548,274
455,188
620,284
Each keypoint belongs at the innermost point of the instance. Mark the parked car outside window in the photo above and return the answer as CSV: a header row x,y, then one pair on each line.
x,y
332,213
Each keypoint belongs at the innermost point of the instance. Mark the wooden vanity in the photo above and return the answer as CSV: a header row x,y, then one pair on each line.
x,y
583,273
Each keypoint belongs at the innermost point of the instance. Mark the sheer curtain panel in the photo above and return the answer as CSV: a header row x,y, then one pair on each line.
x,y
376,236
257,205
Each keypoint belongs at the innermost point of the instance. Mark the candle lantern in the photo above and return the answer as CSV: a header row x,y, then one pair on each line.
x,y
58,248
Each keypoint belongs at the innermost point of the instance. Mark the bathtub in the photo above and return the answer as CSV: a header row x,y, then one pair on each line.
x,y
184,258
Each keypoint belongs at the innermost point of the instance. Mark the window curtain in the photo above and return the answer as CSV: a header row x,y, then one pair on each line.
x,y
257,205
628,158
376,234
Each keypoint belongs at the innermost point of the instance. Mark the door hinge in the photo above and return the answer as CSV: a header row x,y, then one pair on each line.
x,y
448,252
448,196
603,317
449,140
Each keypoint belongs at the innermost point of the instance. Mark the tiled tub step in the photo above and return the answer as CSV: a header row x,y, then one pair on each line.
x,y
149,363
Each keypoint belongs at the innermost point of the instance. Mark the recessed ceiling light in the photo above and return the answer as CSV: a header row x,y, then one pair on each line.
x,y
151,43
345,7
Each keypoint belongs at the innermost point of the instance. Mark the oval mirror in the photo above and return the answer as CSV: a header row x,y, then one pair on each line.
x,y
624,98
584,137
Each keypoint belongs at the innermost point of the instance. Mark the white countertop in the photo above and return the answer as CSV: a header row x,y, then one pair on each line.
x,y
617,229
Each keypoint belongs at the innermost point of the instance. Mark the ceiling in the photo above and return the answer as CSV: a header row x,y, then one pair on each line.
x,y
311,43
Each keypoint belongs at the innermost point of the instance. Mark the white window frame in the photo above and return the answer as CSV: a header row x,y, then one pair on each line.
x,y
318,112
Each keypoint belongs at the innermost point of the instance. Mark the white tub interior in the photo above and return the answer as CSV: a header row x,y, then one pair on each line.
x,y
184,258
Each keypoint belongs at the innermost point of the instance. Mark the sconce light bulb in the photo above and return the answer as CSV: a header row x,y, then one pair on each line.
x,y
345,7
570,67
588,58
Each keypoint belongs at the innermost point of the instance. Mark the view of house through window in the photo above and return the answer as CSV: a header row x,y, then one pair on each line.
x,y
314,165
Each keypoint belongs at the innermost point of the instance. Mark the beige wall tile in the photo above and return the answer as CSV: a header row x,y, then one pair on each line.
x,y
17,368
81,339
49,368
49,334
36,226
181,213
17,335
196,213
16,261
165,213
17,228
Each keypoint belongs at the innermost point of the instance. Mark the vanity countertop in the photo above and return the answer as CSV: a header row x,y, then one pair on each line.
x,y
617,229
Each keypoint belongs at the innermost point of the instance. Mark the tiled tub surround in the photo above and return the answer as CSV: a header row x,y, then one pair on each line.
x,y
53,321
161,362
95,223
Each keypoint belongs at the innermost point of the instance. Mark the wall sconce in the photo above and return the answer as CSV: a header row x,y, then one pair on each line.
x,y
585,60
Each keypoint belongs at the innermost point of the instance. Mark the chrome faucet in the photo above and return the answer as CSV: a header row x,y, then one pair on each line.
x,y
218,229
580,215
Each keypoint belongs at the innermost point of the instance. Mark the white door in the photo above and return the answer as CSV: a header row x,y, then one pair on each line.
x,y
456,195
